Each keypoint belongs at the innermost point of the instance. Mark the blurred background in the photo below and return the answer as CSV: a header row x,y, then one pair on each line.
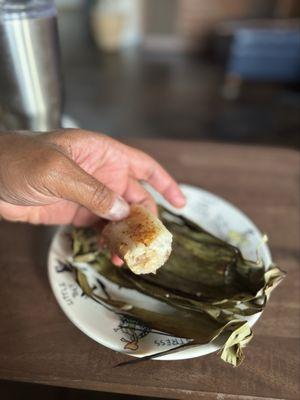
x,y
222,70
216,70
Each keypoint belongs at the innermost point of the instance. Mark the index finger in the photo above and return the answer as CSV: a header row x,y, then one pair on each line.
x,y
144,167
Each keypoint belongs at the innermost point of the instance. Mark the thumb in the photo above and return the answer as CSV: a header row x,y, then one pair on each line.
x,y
78,186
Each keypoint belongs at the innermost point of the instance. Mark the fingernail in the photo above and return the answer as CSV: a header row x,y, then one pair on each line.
x,y
176,197
117,261
180,200
119,210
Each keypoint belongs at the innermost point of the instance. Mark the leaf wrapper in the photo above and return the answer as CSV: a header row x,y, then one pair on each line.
x,y
206,282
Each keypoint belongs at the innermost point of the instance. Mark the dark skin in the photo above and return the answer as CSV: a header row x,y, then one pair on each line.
x,y
71,176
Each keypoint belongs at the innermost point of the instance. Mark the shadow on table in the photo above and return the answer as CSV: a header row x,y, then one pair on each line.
x,y
20,391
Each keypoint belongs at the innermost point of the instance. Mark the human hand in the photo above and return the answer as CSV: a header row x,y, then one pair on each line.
x,y
74,176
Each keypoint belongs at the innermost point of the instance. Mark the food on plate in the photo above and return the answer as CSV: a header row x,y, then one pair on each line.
x,y
141,240
205,292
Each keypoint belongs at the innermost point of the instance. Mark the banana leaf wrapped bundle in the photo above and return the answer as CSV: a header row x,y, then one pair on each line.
x,y
208,285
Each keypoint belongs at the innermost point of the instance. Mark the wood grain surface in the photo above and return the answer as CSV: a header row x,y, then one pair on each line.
x,y
39,344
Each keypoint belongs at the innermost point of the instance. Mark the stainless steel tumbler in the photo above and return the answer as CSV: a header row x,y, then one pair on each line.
x,y
30,75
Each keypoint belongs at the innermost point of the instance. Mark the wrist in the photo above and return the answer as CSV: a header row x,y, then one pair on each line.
x,y
4,142
12,146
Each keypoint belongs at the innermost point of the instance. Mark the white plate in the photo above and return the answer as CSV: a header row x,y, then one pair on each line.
x,y
215,215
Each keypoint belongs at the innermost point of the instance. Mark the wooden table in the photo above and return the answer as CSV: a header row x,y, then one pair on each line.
x,y
39,344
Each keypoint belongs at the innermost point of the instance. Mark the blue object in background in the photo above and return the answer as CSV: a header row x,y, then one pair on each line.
x,y
265,54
